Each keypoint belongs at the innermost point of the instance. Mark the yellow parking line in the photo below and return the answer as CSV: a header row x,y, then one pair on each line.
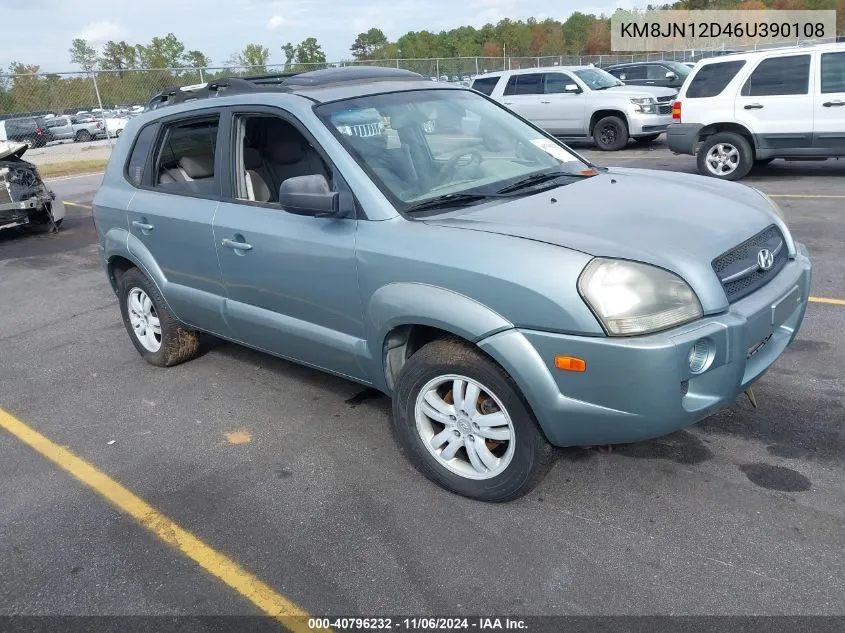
x,y
801,195
70,203
836,302
262,596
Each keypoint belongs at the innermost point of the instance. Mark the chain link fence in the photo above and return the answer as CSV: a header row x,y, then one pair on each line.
x,y
113,96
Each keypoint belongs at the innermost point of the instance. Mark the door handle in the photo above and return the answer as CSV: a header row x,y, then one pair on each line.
x,y
142,225
833,104
753,106
238,246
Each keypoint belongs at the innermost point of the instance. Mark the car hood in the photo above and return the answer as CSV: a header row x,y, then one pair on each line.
x,y
680,222
657,91
10,149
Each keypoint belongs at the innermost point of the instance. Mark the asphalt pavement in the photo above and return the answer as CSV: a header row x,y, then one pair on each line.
x,y
296,475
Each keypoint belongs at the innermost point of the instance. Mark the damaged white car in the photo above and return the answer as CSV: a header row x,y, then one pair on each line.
x,y
25,200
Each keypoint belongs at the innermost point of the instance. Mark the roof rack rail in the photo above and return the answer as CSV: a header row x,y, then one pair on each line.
x,y
218,87
283,82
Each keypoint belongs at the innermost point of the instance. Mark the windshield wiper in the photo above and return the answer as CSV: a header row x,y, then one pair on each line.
x,y
533,179
450,199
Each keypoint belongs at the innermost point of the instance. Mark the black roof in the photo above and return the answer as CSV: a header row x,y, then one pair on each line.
x,y
280,82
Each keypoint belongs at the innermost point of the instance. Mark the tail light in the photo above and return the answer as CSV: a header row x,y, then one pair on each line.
x,y
676,111
38,130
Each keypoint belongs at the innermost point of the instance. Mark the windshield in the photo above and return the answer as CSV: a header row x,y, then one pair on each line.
x,y
598,79
425,144
681,70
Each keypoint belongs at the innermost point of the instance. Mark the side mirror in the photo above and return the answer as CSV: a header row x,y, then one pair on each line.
x,y
311,195
572,88
671,75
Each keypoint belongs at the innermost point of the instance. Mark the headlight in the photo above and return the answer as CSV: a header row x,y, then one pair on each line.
x,y
646,104
632,298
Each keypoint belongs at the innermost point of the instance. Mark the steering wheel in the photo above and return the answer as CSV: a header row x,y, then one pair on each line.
x,y
450,166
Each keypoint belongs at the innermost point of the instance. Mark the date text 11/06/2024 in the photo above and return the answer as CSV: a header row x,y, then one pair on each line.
x,y
417,624
639,30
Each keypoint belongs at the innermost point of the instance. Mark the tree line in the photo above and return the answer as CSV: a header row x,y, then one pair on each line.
x,y
29,90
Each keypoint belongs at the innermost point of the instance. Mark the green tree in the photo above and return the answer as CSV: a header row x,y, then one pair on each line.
x,y
290,54
254,55
82,53
118,56
310,53
197,59
162,52
366,45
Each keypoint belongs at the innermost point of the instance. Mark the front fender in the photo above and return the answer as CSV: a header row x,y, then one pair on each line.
x,y
412,303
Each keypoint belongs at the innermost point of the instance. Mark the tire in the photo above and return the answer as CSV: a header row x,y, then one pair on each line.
x,y
610,133
736,151
177,344
521,461
117,133
83,136
646,139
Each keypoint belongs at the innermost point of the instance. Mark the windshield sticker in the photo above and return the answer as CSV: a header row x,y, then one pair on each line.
x,y
553,149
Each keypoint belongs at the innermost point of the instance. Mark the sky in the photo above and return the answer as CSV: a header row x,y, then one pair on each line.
x,y
220,32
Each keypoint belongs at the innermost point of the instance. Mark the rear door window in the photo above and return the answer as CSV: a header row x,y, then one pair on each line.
x,y
187,156
833,72
712,79
529,84
779,76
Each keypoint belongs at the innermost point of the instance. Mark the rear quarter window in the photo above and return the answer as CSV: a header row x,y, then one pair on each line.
x,y
139,155
485,85
712,79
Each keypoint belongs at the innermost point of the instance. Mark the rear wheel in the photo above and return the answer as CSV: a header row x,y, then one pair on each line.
x,y
157,336
83,136
726,155
610,133
463,423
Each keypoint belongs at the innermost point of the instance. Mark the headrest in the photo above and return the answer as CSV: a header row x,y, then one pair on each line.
x,y
285,152
197,166
252,158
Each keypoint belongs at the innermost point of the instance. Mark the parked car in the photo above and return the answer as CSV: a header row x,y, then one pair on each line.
x,y
25,199
667,74
30,130
583,102
509,295
75,128
115,125
752,108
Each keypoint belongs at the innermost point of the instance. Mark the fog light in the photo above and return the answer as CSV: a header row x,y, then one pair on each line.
x,y
700,356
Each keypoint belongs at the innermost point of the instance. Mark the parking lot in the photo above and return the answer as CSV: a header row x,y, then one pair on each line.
x,y
294,477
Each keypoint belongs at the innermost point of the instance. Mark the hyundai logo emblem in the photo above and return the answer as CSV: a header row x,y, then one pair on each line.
x,y
765,259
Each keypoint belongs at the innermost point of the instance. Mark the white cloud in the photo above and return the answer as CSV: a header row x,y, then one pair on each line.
x,y
276,22
101,31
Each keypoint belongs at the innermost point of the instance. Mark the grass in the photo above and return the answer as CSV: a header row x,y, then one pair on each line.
x,y
73,167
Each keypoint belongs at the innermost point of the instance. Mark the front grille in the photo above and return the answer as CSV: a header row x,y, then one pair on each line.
x,y
664,109
739,270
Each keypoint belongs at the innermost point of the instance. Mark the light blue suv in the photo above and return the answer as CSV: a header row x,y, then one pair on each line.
x,y
422,239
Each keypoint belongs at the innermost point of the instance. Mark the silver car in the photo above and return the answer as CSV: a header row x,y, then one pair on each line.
x,y
508,294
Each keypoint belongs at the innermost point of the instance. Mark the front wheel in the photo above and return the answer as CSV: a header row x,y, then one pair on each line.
x,y
610,133
83,136
463,423
726,155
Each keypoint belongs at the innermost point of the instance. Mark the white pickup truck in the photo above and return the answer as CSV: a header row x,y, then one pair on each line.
x,y
582,102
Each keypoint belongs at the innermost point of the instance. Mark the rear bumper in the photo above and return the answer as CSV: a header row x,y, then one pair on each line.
x,y
682,138
641,387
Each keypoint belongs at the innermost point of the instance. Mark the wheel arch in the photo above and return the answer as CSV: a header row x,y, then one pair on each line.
x,y
715,128
603,112
405,316
122,252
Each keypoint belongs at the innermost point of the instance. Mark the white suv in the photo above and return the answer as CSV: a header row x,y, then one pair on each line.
x,y
747,108
582,102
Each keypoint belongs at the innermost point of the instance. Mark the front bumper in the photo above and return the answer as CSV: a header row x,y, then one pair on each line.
x,y
641,124
639,388
682,138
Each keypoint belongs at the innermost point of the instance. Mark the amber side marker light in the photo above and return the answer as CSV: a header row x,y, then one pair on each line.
x,y
570,363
